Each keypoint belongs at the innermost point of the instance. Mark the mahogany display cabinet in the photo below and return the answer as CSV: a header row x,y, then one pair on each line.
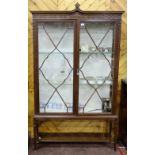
x,y
76,59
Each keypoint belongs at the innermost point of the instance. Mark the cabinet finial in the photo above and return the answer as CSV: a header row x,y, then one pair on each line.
x,y
77,6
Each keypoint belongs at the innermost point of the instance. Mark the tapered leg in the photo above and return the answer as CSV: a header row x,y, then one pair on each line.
x,y
35,130
110,128
115,132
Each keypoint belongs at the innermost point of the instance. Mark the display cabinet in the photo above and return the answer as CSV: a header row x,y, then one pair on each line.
x,y
76,58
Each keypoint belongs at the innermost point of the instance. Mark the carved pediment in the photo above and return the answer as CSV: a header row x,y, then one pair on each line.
x,y
77,8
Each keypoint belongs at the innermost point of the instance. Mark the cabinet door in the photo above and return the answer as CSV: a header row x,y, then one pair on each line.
x,y
55,47
95,67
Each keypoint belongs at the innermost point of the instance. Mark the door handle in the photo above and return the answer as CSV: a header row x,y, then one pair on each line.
x,y
77,72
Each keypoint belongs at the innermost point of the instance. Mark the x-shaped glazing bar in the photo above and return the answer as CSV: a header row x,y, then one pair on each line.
x,y
56,88
97,47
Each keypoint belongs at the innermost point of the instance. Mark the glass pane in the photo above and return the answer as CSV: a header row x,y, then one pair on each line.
x,y
56,66
95,79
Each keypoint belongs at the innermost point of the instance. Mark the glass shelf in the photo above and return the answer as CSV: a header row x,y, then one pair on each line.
x,y
95,53
94,83
107,53
81,83
56,53
56,107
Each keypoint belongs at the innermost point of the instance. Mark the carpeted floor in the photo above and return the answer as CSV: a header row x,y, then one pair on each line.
x,y
74,149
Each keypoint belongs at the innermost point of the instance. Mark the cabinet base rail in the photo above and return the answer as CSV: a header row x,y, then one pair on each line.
x,y
41,137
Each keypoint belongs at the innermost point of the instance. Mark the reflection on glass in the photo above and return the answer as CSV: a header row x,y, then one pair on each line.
x,y
55,66
95,79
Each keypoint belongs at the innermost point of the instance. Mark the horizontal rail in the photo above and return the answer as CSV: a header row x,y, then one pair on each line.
x,y
74,117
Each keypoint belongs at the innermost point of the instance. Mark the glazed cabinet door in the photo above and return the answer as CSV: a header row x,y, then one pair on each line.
x,y
95,67
55,66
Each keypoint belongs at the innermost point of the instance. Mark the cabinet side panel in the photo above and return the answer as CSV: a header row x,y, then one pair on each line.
x,y
116,63
35,64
